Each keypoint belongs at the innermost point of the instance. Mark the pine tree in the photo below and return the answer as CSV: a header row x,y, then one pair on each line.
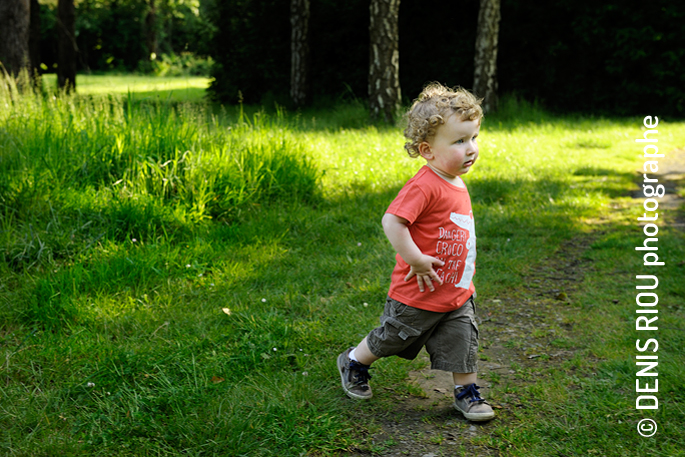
x,y
66,45
384,60
485,73
299,49
14,35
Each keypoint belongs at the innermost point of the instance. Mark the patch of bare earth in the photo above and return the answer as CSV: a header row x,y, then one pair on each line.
x,y
672,175
520,335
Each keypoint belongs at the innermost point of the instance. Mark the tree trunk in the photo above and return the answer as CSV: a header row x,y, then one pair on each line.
x,y
384,60
299,51
151,28
14,35
66,45
34,41
485,73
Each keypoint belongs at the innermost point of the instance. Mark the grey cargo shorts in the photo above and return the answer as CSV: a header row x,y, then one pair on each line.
x,y
451,338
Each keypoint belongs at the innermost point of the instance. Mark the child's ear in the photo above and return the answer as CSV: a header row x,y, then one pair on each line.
x,y
425,150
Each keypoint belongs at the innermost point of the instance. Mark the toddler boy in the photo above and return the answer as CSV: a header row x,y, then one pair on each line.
x,y
430,224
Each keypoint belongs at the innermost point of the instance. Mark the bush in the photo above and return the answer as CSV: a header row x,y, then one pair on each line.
x,y
183,64
111,35
610,58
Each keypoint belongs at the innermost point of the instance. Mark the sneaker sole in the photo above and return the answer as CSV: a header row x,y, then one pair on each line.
x,y
475,417
348,392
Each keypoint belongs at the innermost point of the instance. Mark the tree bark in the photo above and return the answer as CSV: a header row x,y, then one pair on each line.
x,y
14,35
299,49
384,60
34,40
66,45
151,28
485,73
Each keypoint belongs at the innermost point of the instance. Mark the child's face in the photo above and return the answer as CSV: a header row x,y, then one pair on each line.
x,y
453,150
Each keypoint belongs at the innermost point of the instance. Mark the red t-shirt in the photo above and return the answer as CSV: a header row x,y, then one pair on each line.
x,y
442,226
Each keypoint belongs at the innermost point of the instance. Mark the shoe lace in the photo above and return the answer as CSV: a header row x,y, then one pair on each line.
x,y
470,391
359,372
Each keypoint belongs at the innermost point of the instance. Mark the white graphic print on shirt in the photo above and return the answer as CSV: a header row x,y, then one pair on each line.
x,y
466,222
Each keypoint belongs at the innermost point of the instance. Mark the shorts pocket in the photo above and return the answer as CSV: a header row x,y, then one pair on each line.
x,y
475,325
403,330
473,352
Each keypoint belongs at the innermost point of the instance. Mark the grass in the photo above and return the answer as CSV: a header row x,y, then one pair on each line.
x,y
178,278
186,89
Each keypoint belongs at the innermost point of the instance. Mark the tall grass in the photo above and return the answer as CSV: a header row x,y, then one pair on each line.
x,y
132,170
177,279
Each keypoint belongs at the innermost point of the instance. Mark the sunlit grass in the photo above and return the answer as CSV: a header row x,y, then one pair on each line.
x,y
177,89
177,278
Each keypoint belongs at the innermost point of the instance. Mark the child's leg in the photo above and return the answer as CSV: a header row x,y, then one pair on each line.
x,y
363,354
394,338
454,347
354,373
464,379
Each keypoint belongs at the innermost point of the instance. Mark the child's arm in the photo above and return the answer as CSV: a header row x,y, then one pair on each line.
x,y
421,265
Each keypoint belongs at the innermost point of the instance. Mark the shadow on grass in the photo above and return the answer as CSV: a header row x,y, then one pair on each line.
x,y
235,327
326,246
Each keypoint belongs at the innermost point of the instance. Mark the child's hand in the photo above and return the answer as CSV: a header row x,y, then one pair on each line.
x,y
424,272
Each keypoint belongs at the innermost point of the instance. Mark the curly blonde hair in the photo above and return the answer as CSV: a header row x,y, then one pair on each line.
x,y
430,110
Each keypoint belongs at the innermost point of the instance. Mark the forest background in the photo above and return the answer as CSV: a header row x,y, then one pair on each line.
x,y
571,56
178,273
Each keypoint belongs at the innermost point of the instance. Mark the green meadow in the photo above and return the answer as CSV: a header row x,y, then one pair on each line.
x,y
178,278
168,88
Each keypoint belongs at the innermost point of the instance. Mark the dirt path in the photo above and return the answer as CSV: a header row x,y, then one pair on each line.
x,y
519,336
672,175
